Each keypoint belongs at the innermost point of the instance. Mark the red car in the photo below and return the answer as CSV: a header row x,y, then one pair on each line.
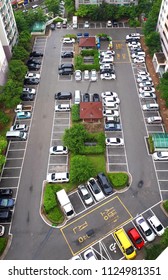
x,y
135,238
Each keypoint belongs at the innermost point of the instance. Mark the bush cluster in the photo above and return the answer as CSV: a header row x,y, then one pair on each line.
x,y
79,60
118,180
75,113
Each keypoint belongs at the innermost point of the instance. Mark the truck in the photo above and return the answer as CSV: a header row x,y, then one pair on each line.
x,y
23,108
75,22
65,204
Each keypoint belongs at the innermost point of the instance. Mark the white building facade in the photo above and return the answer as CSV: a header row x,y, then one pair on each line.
x,y
160,60
99,2
8,35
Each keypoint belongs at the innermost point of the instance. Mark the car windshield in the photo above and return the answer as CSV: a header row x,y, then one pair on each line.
x,y
86,196
129,250
148,232
139,240
159,227
89,255
4,202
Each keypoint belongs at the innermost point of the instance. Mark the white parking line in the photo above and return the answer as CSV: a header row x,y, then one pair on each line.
x,y
12,168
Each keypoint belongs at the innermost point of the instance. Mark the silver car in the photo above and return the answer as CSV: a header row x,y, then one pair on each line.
x,y
85,195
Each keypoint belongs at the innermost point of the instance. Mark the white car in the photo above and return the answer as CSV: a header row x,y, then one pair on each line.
x,y
58,150
160,156
29,90
144,78
143,73
93,76
68,40
106,66
95,189
62,108
110,113
145,229
111,99
139,59
146,84
85,195
150,107
86,24
59,177
107,53
147,95
109,94
2,230
19,127
114,141
154,120
109,23
86,75
108,76
32,75
78,75
111,106
156,225
134,43
89,255
146,89
76,258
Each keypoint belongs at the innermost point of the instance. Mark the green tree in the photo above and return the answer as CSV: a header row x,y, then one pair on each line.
x,y
164,238
19,53
52,6
150,24
75,137
70,7
83,11
17,70
81,169
153,42
21,21
25,40
10,95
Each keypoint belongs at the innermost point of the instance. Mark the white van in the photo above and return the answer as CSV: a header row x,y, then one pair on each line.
x,y
77,96
16,135
65,203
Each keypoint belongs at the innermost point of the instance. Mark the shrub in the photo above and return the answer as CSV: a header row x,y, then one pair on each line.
x,y
150,144
118,180
75,113
92,150
2,161
165,205
4,119
50,201
3,243
70,36
56,215
153,252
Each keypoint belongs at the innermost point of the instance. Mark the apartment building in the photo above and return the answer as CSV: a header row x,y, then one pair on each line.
x,y
8,36
160,59
99,2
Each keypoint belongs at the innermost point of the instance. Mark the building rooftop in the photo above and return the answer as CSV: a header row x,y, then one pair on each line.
x,y
91,110
87,42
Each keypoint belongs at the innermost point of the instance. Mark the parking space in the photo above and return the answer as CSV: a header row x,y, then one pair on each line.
x,y
102,220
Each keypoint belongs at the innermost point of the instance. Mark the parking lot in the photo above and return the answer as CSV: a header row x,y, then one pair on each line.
x,y
113,212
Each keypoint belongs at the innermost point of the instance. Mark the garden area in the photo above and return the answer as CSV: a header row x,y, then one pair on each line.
x,y
86,161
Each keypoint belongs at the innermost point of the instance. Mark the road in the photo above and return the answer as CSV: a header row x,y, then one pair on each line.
x,y
32,238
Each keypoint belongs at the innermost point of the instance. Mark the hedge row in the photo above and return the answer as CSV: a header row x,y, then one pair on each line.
x,y
118,180
75,113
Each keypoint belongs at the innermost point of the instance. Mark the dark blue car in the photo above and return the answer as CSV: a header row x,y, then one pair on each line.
x,y
112,126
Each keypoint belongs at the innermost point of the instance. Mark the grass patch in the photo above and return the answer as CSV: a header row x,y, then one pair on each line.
x,y
75,113
165,205
119,180
3,243
79,60
99,162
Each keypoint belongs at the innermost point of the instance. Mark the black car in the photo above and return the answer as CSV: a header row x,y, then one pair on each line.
x,y
86,97
114,23
36,54
5,216
27,97
66,71
96,97
65,65
6,193
67,54
104,184
31,81
33,66
112,120
34,61
63,95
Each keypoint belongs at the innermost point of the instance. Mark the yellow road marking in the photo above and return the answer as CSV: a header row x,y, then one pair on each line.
x,y
106,214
